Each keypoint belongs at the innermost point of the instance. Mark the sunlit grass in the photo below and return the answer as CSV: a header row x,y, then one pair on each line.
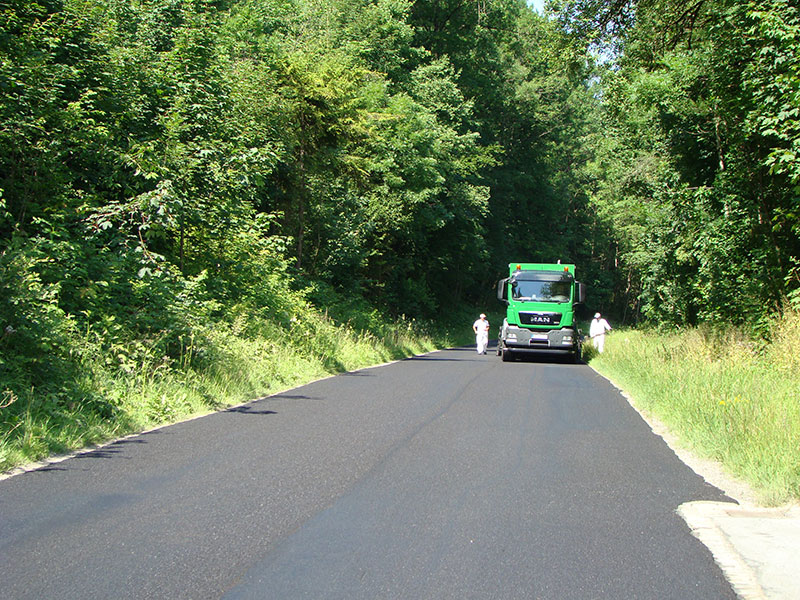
x,y
724,396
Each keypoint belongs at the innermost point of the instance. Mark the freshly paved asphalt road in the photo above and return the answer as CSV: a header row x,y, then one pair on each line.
x,y
450,475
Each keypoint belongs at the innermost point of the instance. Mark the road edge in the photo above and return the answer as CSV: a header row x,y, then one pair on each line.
x,y
58,458
710,522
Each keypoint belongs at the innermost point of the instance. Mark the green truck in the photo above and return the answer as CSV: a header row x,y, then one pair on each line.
x,y
540,315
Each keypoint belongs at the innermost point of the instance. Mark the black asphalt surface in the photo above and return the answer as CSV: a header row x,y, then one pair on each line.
x,y
449,475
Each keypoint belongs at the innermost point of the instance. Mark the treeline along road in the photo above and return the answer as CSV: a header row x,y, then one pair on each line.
x,y
448,475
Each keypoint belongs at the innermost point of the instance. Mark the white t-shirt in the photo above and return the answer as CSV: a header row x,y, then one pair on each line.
x,y
482,326
598,327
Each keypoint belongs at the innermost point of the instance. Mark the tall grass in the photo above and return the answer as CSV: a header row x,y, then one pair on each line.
x,y
117,391
723,395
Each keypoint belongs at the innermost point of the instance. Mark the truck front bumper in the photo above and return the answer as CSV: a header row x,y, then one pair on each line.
x,y
520,339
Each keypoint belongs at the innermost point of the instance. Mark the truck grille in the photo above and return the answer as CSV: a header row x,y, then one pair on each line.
x,y
539,318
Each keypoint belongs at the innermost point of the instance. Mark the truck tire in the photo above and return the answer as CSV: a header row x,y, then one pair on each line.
x,y
507,355
576,356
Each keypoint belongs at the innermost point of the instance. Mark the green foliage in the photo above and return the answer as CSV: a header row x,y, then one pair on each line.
x,y
35,330
687,177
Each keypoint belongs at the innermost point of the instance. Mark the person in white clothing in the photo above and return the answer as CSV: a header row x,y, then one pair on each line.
x,y
597,331
481,329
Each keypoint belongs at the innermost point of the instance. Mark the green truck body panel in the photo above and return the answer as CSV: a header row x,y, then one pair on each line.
x,y
540,314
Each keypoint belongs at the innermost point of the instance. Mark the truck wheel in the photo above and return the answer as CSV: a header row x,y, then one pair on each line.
x,y
507,355
576,356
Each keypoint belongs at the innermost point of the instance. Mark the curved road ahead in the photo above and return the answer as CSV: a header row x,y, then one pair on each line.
x,y
448,475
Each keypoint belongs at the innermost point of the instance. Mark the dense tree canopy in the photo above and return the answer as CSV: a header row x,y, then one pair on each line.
x,y
696,167
169,162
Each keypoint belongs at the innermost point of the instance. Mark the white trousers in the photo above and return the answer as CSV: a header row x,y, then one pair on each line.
x,y
482,340
599,342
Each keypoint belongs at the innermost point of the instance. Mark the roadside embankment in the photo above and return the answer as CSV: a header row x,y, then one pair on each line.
x,y
107,391
722,396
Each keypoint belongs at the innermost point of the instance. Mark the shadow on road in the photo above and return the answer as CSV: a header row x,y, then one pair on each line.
x,y
250,410
545,358
291,397
427,358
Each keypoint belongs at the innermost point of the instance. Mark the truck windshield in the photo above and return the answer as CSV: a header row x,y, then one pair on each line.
x,y
541,291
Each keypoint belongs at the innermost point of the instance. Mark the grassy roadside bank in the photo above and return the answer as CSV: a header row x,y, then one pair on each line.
x,y
723,396
123,391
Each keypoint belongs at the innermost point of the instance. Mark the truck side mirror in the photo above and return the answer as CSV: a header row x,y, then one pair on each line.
x,y
502,290
580,293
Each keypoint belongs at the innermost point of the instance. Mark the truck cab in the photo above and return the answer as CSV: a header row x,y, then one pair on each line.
x,y
540,314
